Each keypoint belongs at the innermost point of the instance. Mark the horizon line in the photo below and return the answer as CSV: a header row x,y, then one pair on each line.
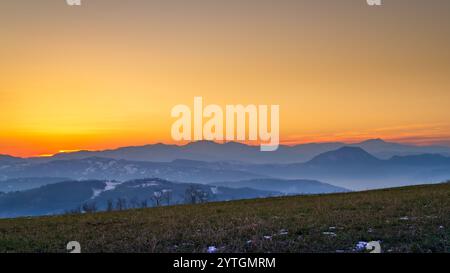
x,y
285,143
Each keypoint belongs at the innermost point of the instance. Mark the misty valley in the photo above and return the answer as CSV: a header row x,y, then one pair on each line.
x,y
133,177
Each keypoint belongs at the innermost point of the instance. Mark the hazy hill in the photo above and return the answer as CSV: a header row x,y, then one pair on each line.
x,y
355,169
299,186
106,168
421,160
345,156
386,150
5,159
65,196
48,199
26,183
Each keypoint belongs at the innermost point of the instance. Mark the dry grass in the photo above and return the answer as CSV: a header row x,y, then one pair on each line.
x,y
411,219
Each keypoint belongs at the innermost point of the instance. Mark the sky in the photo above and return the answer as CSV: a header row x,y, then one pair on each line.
x,y
107,74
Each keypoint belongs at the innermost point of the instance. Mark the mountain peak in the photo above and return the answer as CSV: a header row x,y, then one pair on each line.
x,y
345,155
374,141
349,150
421,159
8,158
201,143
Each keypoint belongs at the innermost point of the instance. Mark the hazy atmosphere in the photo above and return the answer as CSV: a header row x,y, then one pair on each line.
x,y
107,73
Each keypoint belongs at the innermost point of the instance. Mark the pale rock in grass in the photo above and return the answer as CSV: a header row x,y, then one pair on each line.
x,y
212,249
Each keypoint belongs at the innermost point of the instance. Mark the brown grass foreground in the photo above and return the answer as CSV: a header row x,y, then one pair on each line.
x,y
410,219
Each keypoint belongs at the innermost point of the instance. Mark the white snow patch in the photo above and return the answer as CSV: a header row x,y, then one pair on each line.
x,y
96,193
361,246
146,185
109,187
131,169
215,190
283,232
211,249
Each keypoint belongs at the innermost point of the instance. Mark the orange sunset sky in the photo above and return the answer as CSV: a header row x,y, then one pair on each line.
x,y
106,74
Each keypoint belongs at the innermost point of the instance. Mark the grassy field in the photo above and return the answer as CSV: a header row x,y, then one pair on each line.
x,y
410,219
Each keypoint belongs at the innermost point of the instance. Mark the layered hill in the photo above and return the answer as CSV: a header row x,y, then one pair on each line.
x,y
96,195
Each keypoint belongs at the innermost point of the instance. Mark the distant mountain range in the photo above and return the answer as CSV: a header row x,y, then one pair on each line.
x,y
348,167
122,170
232,151
356,169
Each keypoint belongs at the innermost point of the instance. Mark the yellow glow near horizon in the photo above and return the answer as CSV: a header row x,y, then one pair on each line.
x,y
107,74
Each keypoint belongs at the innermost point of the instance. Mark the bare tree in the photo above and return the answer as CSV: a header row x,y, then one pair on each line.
x,y
194,195
203,196
76,210
167,196
121,204
157,197
189,195
89,207
144,204
134,203
109,205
